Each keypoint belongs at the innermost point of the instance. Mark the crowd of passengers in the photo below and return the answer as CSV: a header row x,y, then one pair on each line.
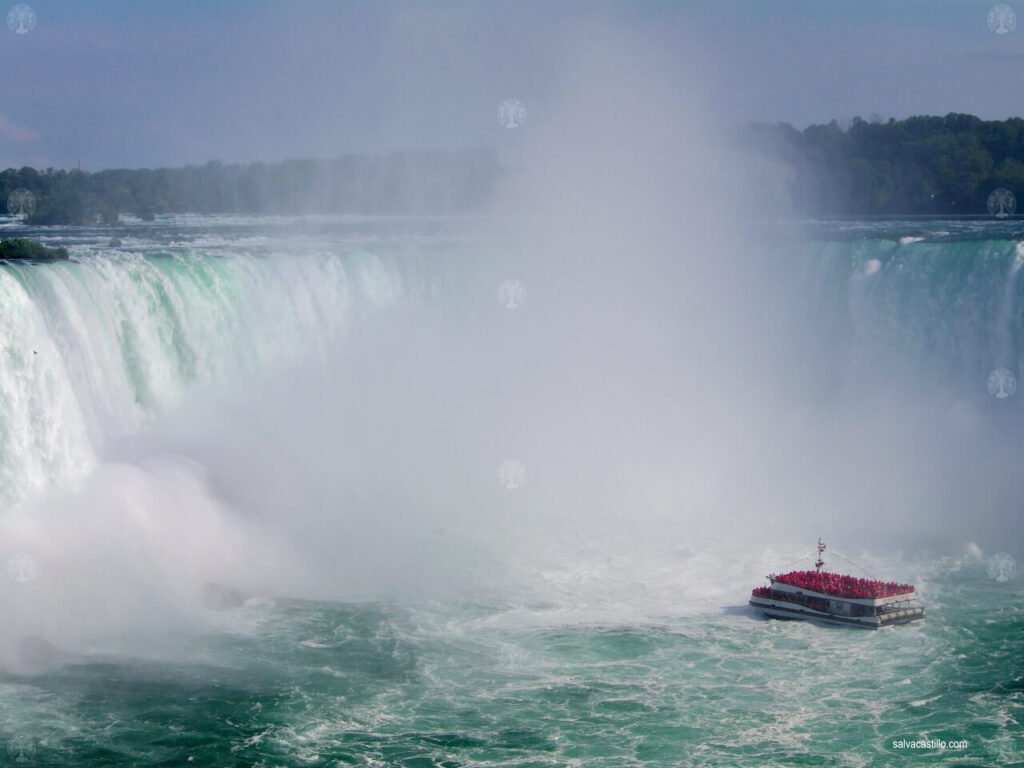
x,y
841,585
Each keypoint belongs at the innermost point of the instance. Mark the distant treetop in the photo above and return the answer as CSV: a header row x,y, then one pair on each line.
x,y
415,183
921,165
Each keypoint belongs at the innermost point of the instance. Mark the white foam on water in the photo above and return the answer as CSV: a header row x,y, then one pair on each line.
x,y
108,347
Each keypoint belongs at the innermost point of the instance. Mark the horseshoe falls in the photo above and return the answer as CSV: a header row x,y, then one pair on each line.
x,y
253,510
99,346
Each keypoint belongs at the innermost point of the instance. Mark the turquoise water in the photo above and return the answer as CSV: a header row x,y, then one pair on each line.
x,y
306,683
246,402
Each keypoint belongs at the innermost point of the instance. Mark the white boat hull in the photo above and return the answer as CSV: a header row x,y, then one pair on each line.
x,y
784,609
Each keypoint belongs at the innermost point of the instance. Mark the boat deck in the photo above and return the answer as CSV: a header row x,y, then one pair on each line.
x,y
837,599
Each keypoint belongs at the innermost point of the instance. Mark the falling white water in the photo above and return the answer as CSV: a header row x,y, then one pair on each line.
x,y
93,348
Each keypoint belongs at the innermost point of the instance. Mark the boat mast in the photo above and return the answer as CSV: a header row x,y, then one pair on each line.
x,y
819,562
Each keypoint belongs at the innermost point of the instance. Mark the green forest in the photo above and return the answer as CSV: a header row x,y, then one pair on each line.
x,y
20,248
922,165
424,183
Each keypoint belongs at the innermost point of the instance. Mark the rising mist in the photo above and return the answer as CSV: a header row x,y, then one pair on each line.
x,y
659,384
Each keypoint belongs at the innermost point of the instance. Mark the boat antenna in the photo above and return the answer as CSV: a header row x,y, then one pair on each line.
x,y
819,562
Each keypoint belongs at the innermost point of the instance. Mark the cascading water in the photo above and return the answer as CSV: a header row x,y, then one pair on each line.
x,y
936,313
96,346
321,417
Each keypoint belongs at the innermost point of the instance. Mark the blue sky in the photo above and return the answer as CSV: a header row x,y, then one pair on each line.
x,y
141,83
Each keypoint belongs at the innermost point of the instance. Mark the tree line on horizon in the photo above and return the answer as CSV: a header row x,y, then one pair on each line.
x,y
917,166
414,183
921,165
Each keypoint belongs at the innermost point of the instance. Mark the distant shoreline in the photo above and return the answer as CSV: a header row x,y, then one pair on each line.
x,y
404,183
929,166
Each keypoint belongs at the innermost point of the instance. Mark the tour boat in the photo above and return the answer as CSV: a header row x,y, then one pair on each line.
x,y
837,599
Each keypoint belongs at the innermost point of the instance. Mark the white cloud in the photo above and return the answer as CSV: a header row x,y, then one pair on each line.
x,y
14,132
